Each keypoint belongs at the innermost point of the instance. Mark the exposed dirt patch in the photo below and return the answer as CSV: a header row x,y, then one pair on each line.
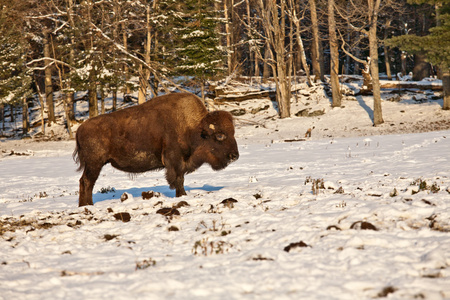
x,y
123,216
292,246
363,226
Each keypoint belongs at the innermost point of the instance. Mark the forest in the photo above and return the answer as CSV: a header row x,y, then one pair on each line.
x,y
60,51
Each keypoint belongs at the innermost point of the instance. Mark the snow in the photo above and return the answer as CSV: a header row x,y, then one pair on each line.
x,y
369,229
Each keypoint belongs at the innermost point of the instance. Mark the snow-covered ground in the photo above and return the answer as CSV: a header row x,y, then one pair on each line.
x,y
354,212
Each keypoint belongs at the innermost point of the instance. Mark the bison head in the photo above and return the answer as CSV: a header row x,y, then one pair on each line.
x,y
219,148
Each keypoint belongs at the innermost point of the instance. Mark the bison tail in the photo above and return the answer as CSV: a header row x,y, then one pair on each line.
x,y
77,157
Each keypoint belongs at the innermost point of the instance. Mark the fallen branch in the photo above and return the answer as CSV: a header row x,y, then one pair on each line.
x,y
410,85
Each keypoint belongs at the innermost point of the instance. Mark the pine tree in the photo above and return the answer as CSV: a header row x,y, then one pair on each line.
x,y
194,45
435,45
15,82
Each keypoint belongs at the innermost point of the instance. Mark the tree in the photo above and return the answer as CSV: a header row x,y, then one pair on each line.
x,y
194,46
363,18
274,23
15,81
435,45
41,22
374,9
315,48
144,73
228,8
334,59
48,77
294,11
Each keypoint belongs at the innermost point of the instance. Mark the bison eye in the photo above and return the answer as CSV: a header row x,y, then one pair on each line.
x,y
220,137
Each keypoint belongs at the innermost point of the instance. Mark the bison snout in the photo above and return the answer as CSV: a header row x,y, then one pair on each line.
x,y
233,156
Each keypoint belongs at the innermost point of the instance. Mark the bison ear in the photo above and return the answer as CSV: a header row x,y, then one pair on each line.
x,y
208,130
208,127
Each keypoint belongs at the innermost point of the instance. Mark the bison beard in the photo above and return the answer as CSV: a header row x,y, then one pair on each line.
x,y
174,132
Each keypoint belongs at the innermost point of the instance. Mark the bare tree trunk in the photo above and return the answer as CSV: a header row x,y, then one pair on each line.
x,y
92,88
321,61
229,38
357,52
301,50
48,81
114,100
274,26
257,72
93,102
403,60
283,82
145,73
250,37
155,81
347,57
12,114
25,123
126,70
315,55
290,56
143,83
334,57
267,57
387,58
374,6
446,86
2,115
421,67
71,95
234,53
66,113
41,102
102,100
11,117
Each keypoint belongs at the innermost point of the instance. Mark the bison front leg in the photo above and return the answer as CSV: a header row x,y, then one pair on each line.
x,y
176,181
179,186
87,182
174,165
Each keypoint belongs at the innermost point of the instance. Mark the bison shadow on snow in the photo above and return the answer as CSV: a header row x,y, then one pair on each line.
x,y
137,192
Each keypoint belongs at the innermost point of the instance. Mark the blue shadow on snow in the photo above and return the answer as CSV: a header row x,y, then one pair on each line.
x,y
137,192
365,106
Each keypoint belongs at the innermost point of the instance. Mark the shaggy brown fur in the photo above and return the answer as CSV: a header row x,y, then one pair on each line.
x,y
173,131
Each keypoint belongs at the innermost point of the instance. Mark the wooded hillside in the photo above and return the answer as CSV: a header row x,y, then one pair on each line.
x,y
68,46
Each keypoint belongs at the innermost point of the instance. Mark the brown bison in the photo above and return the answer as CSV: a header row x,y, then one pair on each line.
x,y
173,131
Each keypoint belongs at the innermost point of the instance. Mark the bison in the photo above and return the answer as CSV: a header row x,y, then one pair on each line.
x,y
173,131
